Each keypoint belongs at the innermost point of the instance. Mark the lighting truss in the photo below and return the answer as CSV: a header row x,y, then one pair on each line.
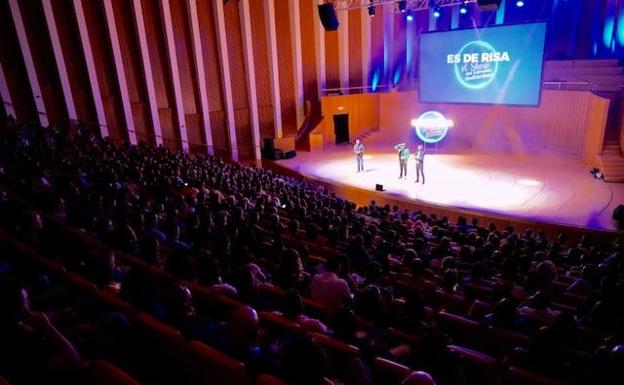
x,y
412,5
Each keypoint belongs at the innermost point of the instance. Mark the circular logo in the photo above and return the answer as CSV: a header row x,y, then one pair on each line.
x,y
431,126
476,70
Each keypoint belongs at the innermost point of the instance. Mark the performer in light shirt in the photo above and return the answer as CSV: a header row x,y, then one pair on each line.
x,y
358,150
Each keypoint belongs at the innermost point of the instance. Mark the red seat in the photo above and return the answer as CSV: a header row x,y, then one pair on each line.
x,y
276,322
162,349
450,302
114,302
3,381
389,372
464,331
479,309
105,373
339,354
499,342
479,368
516,376
212,367
266,379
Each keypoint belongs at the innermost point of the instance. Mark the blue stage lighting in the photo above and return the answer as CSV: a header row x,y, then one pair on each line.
x,y
436,13
463,10
410,16
519,3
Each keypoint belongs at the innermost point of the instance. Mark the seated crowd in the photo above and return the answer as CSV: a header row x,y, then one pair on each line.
x,y
160,267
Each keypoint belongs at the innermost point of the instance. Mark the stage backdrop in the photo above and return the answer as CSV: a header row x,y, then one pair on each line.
x,y
571,122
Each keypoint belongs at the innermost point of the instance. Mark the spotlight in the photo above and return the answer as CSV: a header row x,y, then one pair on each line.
x,y
436,13
402,5
410,16
519,3
371,11
463,10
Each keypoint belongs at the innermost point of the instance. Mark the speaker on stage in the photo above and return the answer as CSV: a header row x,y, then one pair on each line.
x,y
327,13
379,187
488,5
618,215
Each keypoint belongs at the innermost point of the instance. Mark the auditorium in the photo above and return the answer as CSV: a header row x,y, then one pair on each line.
x,y
311,192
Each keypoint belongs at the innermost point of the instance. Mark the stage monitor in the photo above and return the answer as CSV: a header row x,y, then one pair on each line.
x,y
492,65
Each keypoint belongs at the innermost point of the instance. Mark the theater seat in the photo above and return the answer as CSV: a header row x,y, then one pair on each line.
x,y
3,381
339,354
162,349
499,342
388,372
453,303
276,323
105,373
516,376
266,379
212,367
462,330
479,368
479,309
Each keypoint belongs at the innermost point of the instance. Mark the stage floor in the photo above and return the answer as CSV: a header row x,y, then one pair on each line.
x,y
542,188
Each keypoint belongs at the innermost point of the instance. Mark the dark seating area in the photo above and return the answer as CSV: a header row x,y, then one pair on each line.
x,y
141,265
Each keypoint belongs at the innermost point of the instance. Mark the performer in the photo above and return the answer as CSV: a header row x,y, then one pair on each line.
x,y
420,163
358,150
404,154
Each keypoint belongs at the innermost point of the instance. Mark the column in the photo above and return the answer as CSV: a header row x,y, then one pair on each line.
x,y
119,70
225,75
88,54
28,61
147,71
200,73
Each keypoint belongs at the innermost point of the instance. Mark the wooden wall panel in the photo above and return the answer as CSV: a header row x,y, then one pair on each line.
x,y
160,71
355,48
74,60
133,68
105,67
286,71
332,63
261,64
14,68
238,77
43,57
216,103
308,51
187,73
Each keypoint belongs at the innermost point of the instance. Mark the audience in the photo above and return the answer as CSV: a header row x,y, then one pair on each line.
x,y
373,277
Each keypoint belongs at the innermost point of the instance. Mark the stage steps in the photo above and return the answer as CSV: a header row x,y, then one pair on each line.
x,y
611,160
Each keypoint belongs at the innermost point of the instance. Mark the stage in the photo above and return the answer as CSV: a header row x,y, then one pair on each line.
x,y
545,188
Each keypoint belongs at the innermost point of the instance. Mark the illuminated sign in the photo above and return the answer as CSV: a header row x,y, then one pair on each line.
x,y
476,63
431,126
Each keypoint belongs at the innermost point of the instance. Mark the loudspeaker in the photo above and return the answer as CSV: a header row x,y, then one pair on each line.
x,y
618,215
327,13
488,5
379,187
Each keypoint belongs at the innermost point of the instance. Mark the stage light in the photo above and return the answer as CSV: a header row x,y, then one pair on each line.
x,y
463,10
519,3
436,13
410,16
371,11
402,5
